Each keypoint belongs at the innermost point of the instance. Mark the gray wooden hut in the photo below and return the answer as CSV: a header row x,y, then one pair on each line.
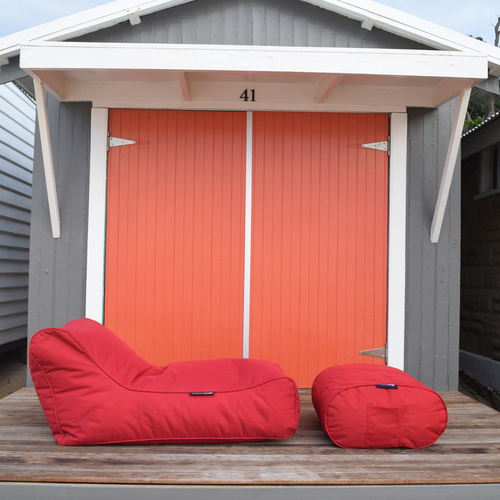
x,y
375,268
263,178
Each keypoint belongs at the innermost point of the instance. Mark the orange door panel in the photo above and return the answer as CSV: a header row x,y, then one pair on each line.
x,y
319,240
175,233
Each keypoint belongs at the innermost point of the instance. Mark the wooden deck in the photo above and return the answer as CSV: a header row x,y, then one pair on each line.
x,y
468,452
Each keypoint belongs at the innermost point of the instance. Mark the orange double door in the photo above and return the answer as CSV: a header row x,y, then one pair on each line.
x,y
175,237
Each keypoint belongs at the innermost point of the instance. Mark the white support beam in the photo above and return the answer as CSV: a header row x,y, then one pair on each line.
x,y
326,85
248,235
396,275
96,236
48,163
449,166
71,56
185,83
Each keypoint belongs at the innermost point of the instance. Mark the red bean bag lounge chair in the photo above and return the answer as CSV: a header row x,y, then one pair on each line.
x,y
94,389
373,406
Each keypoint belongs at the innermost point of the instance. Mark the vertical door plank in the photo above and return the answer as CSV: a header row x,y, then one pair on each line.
x,y
175,233
319,240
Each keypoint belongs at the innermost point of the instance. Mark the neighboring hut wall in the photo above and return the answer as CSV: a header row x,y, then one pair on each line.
x,y
57,273
12,71
17,136
480,280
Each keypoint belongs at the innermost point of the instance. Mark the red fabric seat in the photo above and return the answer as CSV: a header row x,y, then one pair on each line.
x,y
372,406
94,389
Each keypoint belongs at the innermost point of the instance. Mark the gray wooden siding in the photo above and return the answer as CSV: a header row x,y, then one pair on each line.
x,y
57,270
257,22
433,270
58,266
17,137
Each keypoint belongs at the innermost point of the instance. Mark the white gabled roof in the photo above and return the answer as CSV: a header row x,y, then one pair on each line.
x,y
373,14
84,22
369,13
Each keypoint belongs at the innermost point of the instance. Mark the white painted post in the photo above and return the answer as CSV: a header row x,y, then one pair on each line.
x,y
248,236
449,165
96,233
396,294
48,163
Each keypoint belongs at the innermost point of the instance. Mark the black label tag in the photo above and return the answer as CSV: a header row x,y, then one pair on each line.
x,y
387,386
201,393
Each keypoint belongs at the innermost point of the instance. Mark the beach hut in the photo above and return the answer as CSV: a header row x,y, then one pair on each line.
x,y
268,179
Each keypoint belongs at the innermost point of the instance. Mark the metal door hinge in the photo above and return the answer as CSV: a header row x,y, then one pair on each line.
x,y
379,146
381,352
113,142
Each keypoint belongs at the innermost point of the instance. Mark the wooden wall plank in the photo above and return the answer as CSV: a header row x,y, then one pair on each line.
x,y
240,22
433,270
58,267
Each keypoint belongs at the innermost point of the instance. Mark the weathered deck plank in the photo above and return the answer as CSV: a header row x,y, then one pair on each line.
x,y
468,452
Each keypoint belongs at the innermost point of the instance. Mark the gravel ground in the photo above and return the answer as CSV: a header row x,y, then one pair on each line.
x,y
12,372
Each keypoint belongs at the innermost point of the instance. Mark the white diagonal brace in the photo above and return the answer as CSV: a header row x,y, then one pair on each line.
x,y
185,83
48,163
449,166
326,85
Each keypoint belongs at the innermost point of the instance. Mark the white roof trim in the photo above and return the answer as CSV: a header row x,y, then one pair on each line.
x,y
383,17
241,58
286,76
84,22
411,27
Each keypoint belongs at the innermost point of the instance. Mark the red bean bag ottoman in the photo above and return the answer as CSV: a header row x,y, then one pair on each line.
x,y
94,389
372,406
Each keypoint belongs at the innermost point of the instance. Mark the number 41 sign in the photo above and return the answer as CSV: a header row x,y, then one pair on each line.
x,y
248,95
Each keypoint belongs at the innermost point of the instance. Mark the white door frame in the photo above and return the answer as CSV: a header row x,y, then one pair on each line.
x,y
94,306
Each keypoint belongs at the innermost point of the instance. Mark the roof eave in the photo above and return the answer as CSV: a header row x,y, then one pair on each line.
x,y
410,27
295,78
368,12
82,23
